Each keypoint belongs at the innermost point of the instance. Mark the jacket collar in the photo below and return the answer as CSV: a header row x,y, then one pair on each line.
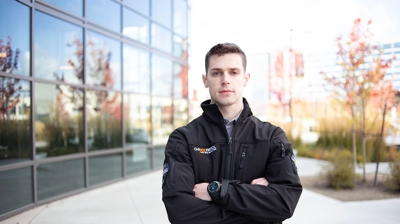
x,y
212,113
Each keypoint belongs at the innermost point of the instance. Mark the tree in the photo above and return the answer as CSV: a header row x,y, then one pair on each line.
x,y
9,87
362,83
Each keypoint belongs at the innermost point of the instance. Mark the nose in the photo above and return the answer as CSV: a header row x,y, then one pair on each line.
x,y
225,79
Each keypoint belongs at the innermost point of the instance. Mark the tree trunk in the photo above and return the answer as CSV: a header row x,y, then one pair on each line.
x,y
354,138
380,143
364,154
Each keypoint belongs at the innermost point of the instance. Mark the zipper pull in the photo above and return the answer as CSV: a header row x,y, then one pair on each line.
x,y
230,145
283,150
242,160
177,157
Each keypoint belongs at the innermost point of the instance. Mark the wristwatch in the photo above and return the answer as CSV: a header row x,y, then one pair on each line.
x,y
214,188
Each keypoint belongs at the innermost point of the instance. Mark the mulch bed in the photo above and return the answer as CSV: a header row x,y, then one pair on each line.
x,y
362,190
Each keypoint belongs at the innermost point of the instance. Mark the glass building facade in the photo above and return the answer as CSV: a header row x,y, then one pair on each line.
x,y
89,92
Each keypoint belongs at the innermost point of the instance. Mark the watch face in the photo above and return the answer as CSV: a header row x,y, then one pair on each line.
x,y
213,186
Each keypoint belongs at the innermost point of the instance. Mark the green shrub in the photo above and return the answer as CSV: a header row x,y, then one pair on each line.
x,y
393,181
340,171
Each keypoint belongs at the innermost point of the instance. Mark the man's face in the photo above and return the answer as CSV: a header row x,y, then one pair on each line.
x,y
226,79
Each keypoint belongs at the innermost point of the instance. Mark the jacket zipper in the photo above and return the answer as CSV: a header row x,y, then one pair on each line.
x,y
230,151
229,159
283,149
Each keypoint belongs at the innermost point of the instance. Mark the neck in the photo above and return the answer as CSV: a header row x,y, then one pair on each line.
x,y
230,112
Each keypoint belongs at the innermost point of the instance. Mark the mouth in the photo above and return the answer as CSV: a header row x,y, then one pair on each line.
x,y
225,91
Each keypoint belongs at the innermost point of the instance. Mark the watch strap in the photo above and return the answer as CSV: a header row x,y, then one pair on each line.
x,y
225,186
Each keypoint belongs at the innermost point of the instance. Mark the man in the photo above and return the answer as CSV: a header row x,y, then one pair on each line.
x,y
227,166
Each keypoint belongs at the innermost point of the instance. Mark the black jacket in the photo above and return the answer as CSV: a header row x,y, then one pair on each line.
x,y
202,152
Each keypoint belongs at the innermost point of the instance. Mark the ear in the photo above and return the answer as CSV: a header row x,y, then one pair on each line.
x,y
246,78
205,80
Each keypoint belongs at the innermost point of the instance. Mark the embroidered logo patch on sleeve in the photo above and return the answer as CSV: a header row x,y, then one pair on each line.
x,y
205,150
165,171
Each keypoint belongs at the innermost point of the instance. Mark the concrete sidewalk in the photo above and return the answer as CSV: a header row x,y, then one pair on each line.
x,y
138,201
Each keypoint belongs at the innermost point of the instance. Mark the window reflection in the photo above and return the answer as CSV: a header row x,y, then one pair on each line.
x,y
14,38
136,70
137,119
104,168
138,160
58,49
161,119
180,47
180,81
16,189
103,119
180,112
103,61
72,6
159,156
160,38
136,26
161,76
58,120
15,119
61,177
161,12
141,6
105,13
180,17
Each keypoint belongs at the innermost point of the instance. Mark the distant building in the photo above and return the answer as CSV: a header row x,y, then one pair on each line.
x,y
277,77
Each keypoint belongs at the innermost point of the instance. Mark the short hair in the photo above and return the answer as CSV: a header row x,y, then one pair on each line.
x,y
225,48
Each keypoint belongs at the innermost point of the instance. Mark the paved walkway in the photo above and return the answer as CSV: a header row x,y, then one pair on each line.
x,y
138,201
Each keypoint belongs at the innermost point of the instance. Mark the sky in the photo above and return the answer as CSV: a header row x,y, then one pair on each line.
x,y
260,26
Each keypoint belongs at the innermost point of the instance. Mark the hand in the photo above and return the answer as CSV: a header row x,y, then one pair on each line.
x,y
260,181
200,191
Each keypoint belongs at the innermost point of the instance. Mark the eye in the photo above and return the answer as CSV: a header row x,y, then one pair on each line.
x,y
235,73
216,73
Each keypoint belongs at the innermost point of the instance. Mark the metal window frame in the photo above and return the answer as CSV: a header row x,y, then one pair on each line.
x,y
82,22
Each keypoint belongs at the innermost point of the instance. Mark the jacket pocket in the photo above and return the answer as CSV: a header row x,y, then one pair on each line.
x,y
241,163
176,153
282,162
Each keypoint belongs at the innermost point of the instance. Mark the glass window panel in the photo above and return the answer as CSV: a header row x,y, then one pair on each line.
x,y
136,70
385,46
105,13
14,38
72,6
180,112
141,6
104,168
104,119
15,120
180,17
160,38
103,61
58,120
16,189
58,49
180,47
161,119
159,156
61,177
180,81
161,76
138,160
161,12
137,119
396,45
136,26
